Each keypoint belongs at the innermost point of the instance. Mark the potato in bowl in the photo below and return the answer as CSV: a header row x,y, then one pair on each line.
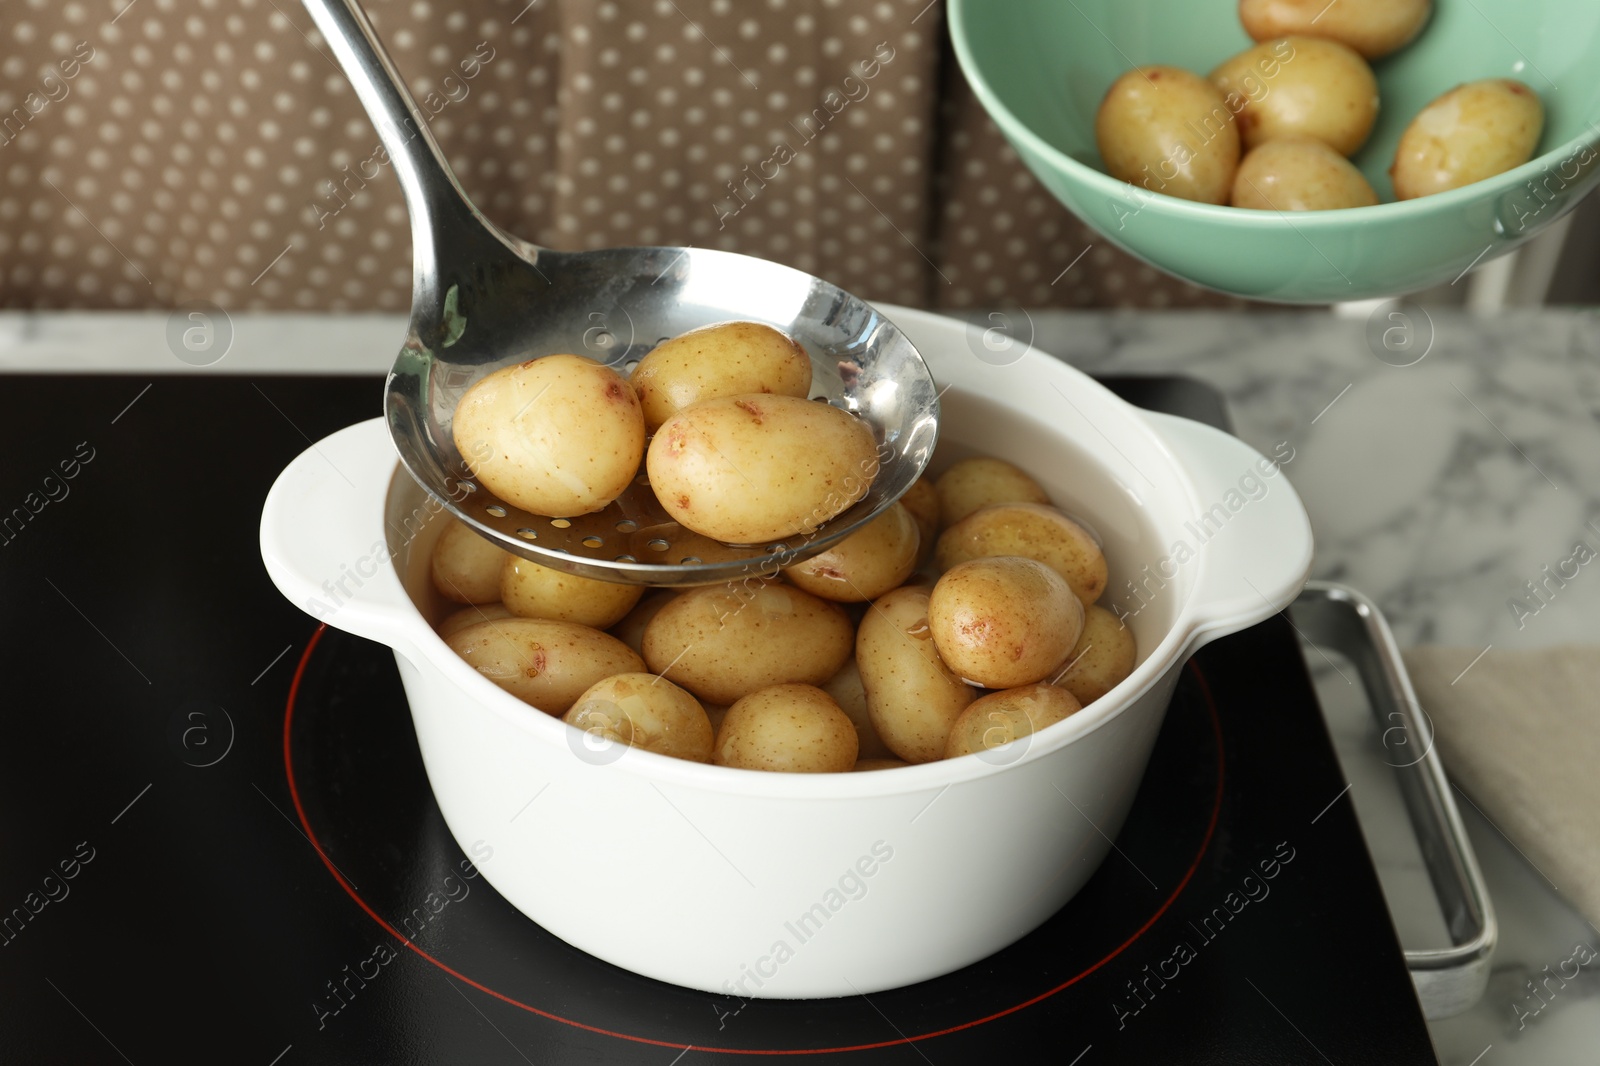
x,y
1041,68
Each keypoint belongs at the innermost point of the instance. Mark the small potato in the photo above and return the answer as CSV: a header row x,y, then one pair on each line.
x,y
922,500
756,468
1001,717
466,567
645,711
912,696
850,694
557,436
866,564
880,764
531,590
1004,622
631,629
1299,174
790,728
1103,656
1033,532
1372,27
544,663
1168,131
1300,87
727,359
973,484
723,642
1472,132
471,616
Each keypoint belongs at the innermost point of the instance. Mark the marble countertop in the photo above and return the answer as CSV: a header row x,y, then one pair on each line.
x,y
1440,489
1450,465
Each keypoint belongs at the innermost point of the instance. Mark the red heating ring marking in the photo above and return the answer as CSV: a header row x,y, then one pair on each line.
x,y
294,794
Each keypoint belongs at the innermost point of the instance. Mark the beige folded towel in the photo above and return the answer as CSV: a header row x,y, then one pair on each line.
x,y
1520,734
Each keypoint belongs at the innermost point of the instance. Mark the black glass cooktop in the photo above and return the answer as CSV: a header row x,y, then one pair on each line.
x,y
219,845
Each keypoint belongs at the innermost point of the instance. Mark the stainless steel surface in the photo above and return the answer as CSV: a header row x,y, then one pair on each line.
x,y
482,299
1448,980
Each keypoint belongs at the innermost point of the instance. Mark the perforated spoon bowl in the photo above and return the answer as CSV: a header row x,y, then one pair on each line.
x,y
482,299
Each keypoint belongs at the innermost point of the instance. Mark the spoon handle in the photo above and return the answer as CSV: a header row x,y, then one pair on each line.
x,y
433,197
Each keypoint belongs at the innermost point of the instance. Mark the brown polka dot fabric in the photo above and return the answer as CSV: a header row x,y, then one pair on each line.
x,y
159,151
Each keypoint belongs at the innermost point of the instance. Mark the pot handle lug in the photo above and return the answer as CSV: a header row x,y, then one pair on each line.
x,y
1254,553
321,539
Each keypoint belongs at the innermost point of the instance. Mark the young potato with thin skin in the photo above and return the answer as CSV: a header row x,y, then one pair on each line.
x,y
466,566
1168,131
1375,28
1104,655
851,695
1032,531
723,642
531,590
756,468
787,728
912,696
726,359
631,629
645,711
544,663
1299,174
1472,132
1004,622
973,484
471,616
863,765
557,436
1322,90
866,564
922,500
1001,717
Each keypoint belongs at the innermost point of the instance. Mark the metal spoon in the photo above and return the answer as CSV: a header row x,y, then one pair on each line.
x,y
482,299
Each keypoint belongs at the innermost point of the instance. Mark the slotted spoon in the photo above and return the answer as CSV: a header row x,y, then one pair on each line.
x,y
482,299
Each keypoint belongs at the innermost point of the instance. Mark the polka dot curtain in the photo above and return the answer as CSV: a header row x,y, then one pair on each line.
x,y
166,150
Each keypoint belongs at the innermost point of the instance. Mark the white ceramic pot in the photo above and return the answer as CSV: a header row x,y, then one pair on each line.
x,y
798,885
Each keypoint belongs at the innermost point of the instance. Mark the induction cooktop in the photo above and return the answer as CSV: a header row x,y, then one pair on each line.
x,y
219,843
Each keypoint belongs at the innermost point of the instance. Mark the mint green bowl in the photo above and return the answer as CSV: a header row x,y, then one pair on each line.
x,y
1040,68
